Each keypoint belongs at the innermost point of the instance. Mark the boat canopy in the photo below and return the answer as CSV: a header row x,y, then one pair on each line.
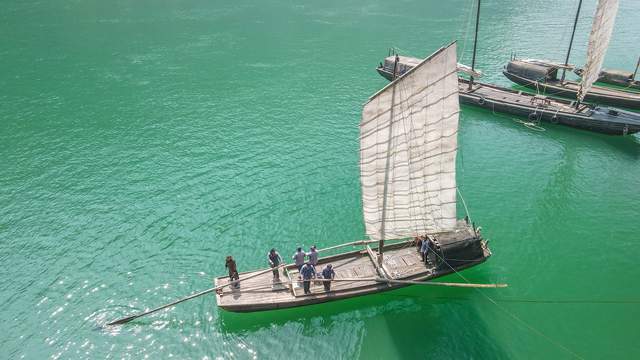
x,y
616,75
534,71
405,63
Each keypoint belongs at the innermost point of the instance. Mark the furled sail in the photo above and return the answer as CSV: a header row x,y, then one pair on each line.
x,y
408,144
601,30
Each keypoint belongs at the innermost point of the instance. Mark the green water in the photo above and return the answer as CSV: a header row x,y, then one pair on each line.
x,y
142,141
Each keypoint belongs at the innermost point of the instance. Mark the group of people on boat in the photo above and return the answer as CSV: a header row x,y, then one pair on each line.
x,y
306,269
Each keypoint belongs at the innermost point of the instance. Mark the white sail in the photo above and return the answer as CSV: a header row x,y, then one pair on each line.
x,y
601,30
408,144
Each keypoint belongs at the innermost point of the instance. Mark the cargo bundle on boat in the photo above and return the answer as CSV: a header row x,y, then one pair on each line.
x,y
622,78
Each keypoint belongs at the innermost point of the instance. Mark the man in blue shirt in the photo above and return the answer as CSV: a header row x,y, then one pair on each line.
x,y
328,274
424,249
308,272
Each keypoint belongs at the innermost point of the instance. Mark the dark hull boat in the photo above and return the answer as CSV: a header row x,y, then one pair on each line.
x,y
542,75
556,111
615,77
537,108
543,78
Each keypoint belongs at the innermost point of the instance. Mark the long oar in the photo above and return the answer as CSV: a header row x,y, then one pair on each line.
x,y
393,281
132,317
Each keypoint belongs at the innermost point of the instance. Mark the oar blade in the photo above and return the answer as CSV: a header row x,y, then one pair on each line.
x,y
124,320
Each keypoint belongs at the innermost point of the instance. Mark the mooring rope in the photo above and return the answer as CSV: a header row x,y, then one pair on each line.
x,y
513,316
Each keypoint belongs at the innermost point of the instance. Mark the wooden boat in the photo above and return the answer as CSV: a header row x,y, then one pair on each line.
x,y
544,79
539,108
357,273
536,108
543,76
408,144
622,78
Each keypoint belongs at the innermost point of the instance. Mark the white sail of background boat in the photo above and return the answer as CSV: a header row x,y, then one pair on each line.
x,y
601,30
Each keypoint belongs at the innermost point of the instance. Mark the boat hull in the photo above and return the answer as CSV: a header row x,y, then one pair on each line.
x,y
597,119
401,262
556,111
569,89
384,73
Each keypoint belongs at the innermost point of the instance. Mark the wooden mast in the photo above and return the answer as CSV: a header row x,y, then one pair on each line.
x,y
475,42
566,61
636,70
386,172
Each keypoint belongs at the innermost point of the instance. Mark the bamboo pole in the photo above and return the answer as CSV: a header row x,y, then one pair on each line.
x,y
135,316
392,281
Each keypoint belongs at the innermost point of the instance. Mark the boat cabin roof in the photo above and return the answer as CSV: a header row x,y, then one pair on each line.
x,y
614,75
405,60
530,70
405,63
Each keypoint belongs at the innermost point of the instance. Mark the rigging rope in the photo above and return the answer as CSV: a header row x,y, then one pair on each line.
x,y
512,315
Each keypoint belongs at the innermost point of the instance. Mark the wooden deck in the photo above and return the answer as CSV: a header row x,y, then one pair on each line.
x,y
401,261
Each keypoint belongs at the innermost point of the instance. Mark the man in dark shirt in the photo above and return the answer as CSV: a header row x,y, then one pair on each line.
x,y
233,270
274,261
308,272
328,274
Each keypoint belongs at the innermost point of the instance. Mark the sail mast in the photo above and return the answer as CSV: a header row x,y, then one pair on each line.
x,y
636,71
386,172
573,32
475,43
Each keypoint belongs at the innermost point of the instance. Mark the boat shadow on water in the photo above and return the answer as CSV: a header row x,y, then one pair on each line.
x,y
628,146
411,321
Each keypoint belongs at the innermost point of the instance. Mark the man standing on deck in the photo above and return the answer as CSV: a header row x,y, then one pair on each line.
x,y
424,249
298,257
233,270
328,274
313,256
274,261
308,272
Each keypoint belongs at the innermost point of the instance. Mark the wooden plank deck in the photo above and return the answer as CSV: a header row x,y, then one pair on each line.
x,y
525,99
401,261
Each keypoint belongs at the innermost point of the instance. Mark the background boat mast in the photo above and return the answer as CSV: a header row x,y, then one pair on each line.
x,y
475,43
575,22
636,70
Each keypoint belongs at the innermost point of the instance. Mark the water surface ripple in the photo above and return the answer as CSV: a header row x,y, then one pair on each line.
x,y
141,142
